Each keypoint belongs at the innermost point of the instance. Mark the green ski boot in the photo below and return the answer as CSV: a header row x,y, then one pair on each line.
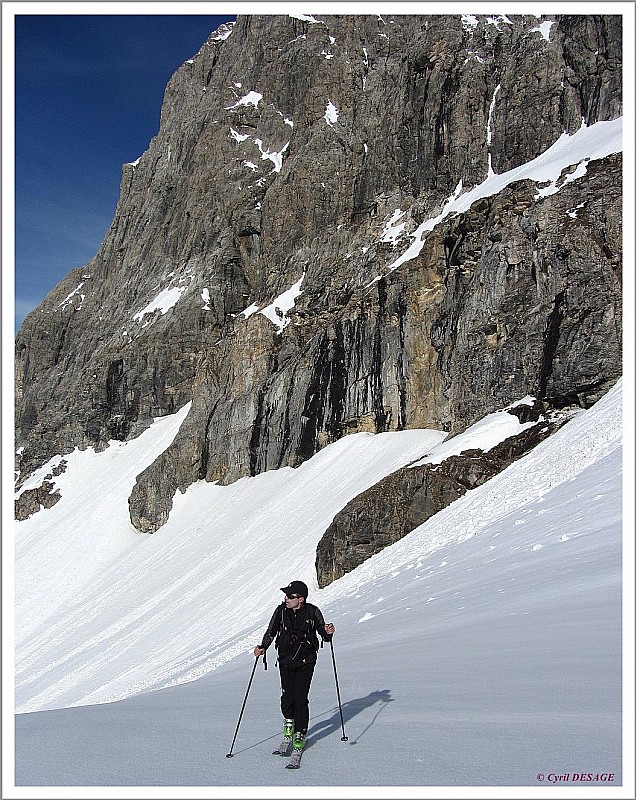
x,y
288,734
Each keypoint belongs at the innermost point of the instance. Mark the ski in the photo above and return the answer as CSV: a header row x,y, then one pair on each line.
x,y
294,760
283,748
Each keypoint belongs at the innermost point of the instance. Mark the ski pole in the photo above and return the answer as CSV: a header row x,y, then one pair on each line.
x,y
343,738
230,754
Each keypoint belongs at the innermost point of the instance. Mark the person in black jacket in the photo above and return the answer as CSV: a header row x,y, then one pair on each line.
x,y
296,625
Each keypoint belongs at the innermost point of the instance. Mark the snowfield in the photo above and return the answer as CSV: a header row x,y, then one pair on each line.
x,y
483,649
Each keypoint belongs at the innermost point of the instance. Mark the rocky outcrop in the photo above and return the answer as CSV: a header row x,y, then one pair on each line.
x,y
401,502
250,265
45,495
31,500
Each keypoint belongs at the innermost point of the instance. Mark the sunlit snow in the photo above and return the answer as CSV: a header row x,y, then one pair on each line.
x,y
94,489
489,127
164,301
222,32
393,229
483,435
543,29
275,157
252,309
305,18
250,99
279,308
572,212
71,566
69,297
501,18
239,137
470,649
577,149
469,22
331,113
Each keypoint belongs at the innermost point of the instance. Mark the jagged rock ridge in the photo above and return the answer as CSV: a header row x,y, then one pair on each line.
x,y
248,267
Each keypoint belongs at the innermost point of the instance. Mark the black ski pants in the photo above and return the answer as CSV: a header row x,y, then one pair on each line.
x,y
294,700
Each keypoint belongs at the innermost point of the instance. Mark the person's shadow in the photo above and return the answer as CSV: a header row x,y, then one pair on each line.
x,y
349,710
329,726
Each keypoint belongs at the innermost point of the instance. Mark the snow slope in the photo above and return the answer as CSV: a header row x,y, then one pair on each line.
x,y
104,612
487,642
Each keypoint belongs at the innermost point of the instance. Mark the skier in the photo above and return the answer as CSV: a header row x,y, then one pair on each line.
x,y
295,624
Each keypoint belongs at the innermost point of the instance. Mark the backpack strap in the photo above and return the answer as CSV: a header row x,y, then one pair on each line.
x,y
281,627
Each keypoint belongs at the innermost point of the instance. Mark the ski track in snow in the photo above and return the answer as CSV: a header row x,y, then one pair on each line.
x,y
136,612
512,571
490,646
117,610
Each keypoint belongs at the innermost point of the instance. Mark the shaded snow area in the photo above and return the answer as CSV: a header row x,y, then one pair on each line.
x,y
483,649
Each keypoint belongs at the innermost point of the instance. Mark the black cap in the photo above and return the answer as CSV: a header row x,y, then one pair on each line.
x,y
296,587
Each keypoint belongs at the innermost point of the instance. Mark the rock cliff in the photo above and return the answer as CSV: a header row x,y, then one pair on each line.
x,y
395,506
286,255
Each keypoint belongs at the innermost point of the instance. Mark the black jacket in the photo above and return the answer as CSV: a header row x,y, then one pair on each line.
x,y
296,634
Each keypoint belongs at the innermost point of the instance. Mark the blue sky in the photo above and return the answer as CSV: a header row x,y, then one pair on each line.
x,y
88,99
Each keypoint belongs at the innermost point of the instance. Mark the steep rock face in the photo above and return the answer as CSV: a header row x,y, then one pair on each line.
x,y
401,502
249,266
